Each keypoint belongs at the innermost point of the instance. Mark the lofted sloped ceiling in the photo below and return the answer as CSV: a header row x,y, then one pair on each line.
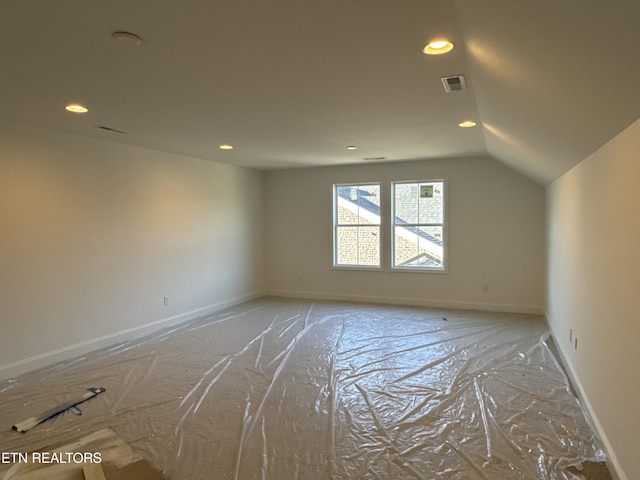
x,y
292,83
554,80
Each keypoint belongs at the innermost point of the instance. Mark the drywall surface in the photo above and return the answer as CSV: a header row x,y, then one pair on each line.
x,y
95,234
495,229
593,279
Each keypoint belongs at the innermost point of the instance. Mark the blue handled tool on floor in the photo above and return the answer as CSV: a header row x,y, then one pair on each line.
x,y
29,423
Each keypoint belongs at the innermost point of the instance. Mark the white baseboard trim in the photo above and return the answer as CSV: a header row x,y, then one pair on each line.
x,y
13,369
616,470
419,302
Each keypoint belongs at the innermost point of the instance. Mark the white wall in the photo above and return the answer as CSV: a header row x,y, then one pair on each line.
x,y
495,227
593,287
95,233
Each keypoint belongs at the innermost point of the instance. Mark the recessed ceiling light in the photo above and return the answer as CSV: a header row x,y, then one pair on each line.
x,y
127,38
75,108
438,47
226,147
467,124
352,147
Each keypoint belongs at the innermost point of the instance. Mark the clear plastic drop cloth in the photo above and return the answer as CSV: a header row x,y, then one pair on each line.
x,y
288,389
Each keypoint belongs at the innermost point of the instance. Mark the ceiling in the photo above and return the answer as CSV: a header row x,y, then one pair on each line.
x,y
291,83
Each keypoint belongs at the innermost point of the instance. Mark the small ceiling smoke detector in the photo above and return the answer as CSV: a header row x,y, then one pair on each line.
x,y
351,147
127,38
454,84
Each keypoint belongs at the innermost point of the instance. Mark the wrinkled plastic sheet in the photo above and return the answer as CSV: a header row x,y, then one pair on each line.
x,y
287,389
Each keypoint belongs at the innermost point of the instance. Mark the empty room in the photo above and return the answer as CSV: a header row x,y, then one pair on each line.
x,y
339,239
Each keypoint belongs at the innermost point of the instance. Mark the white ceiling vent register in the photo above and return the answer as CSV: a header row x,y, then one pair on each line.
x,y
453,84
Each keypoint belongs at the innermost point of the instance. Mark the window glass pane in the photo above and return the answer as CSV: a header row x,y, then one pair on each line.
x,y
418,247
406,203
346,201
369,204
358,204
405,246
430,203
346,245
358,246
430,250
369,245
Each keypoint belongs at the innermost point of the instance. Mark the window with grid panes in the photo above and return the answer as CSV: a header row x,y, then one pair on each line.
x,y
418,225
356,225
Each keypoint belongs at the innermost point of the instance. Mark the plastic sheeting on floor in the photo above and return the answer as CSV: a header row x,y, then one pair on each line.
x,y
285,389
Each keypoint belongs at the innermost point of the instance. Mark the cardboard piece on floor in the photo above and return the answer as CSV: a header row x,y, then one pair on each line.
x,y
140,470
115,454
93,472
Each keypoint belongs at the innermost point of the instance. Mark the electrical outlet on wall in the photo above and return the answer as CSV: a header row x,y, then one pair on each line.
x,y
165,300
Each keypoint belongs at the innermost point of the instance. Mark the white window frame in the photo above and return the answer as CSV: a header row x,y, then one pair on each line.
x,y
336,227
443,225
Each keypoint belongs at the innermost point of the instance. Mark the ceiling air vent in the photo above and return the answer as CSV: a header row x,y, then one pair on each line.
x,y
109,129
453,84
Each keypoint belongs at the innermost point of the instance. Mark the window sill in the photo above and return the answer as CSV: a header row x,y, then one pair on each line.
x,y
362,268
438,271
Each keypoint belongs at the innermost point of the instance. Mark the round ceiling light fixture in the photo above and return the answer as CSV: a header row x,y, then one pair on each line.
x,y
467,124
351,147
127,38
226,146
76,108
438,47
